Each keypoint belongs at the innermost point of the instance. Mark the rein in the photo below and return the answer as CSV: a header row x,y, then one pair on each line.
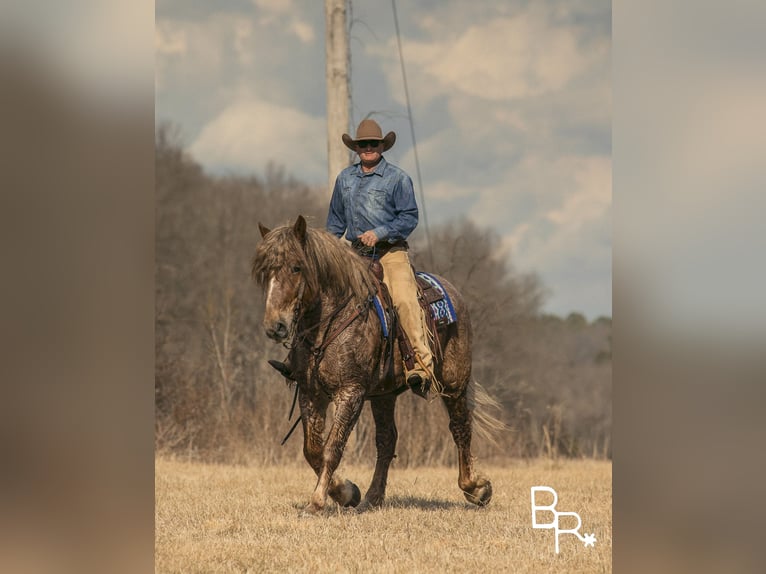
x,y
329,337
297,310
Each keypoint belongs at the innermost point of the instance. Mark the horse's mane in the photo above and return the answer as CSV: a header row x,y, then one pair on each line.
x,y
328,264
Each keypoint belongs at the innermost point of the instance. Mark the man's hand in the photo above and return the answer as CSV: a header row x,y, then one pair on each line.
x,y
368,238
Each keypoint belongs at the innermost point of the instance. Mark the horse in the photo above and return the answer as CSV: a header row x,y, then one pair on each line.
x,y
318,294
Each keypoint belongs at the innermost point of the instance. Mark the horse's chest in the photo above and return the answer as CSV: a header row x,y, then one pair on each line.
x,y
338,370
348,361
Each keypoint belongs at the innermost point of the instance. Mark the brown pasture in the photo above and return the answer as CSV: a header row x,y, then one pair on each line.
x,y
223,518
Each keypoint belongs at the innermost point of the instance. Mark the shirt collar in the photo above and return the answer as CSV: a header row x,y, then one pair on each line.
x,y
379,169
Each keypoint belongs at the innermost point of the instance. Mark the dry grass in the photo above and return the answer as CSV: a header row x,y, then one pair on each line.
x,y
215,518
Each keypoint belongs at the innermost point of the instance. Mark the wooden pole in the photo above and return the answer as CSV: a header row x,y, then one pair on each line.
x,y
336,72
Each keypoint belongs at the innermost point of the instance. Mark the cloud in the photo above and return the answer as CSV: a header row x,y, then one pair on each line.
x,y
249,134
303,31
284,13
205,64
511,57
243,34
169,44
590,196
169,41
192,53
560,228
549,199
202,50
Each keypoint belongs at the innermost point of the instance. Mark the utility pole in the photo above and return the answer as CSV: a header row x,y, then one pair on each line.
x,y
336,73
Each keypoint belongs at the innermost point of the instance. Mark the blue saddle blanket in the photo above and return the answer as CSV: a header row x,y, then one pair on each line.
x,y
442,310
381,315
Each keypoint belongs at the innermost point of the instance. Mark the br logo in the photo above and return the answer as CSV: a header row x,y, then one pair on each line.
x,y
588,539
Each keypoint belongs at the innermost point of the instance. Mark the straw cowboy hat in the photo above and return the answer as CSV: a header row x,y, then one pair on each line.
x,y
369,130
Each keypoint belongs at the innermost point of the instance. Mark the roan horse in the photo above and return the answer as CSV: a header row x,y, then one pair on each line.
x,y
318,294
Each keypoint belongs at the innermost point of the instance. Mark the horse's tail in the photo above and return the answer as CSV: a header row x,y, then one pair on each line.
x,y
487,425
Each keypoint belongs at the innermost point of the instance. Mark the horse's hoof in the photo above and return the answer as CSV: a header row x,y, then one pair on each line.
x,y
346,494
368,504
354,496
481,494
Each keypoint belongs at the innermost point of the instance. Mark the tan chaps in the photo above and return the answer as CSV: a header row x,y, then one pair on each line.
x,y
400,280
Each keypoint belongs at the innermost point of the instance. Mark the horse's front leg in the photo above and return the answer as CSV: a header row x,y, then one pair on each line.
x,y
313,414
348,405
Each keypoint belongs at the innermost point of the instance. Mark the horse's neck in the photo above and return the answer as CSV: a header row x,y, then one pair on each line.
x,y
327,308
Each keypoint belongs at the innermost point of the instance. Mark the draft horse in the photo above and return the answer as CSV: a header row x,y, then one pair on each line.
x,y
318,303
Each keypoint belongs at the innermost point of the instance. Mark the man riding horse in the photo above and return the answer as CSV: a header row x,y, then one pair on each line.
x,y
373,202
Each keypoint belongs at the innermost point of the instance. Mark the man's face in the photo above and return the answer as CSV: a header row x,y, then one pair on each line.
x,y
369,151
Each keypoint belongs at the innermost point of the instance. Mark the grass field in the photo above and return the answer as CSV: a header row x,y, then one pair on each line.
x,y
215,518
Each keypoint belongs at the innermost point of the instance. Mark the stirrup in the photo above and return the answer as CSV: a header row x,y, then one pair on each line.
x,y
418,385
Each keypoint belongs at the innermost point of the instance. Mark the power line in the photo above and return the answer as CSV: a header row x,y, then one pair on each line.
x,y
412,132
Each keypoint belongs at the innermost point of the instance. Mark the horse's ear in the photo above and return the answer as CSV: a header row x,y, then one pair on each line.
x,y
300,229
264,230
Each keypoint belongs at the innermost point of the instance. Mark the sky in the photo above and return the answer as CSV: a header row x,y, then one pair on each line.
x,y
511,108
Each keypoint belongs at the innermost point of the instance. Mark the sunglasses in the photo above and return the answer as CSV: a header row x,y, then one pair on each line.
x,y
368,143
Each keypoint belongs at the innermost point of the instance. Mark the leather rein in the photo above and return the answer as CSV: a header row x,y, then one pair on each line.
x,y
329,336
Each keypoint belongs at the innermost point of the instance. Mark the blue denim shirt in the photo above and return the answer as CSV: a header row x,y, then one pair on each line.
x,y
382,200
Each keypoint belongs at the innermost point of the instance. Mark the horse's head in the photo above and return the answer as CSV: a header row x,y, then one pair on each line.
x,y
279,266
297,267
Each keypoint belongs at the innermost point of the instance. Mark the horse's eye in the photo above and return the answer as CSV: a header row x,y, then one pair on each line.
x,y
296,269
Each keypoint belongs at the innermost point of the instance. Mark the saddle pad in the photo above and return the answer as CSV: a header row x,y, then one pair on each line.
x,y
441,307
381,315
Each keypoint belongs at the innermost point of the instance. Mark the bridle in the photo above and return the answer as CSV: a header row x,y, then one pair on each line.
x,y
297,311
329,335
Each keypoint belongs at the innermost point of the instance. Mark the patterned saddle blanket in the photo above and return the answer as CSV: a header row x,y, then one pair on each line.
x,y
435,296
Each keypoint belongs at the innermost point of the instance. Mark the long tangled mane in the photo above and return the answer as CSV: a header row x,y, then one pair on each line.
x,y
328,264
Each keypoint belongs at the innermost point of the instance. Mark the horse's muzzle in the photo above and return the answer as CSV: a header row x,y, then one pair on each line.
x,y
278,332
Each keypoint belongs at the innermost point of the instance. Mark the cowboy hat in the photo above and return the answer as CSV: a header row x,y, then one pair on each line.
x,y
369,130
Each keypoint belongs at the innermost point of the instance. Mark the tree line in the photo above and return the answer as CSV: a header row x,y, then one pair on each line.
x,y
217,399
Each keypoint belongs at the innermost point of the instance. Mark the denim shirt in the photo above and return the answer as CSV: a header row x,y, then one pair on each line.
x,y
382,200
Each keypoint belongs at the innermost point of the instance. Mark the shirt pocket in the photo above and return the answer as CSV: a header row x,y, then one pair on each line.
x,y
378,198
346,192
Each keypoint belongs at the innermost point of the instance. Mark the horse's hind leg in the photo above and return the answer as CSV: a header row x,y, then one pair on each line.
x,y
385,444
476,488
